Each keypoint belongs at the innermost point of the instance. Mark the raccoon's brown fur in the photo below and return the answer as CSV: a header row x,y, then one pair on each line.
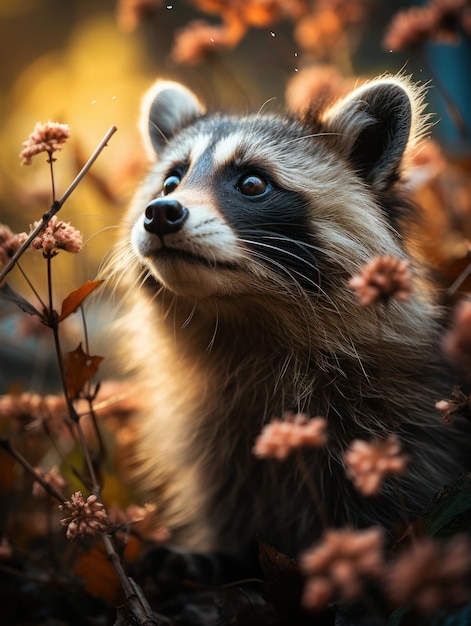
x,y
236,253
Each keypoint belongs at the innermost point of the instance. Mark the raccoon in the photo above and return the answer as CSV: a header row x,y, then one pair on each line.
x,y
237,252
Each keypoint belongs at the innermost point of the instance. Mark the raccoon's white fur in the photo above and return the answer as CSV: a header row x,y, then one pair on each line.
x,y
237,251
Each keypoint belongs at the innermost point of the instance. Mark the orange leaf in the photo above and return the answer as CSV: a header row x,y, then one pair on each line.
x,y
79,368
98,575
75,299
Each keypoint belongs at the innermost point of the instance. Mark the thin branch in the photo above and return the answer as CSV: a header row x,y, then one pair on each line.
x,y
57,205
312,488
6,445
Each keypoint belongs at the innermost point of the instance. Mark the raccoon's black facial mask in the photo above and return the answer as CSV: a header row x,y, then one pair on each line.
x,y
271,221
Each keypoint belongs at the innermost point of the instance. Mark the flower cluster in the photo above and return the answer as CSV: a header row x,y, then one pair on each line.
x,y
48,137
143,521
458,403
383,278
321,83
199,40
6,550
457,341
279,438
86,517
439,20
34,409
341,564
130,13
432,575
53,478
57,235
369,463
9,243
323,29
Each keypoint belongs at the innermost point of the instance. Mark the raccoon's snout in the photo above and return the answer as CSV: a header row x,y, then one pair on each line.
x,y
164,216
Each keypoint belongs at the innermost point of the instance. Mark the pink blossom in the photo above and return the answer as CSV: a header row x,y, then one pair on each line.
x,y
86,517
432,575
46,137
341,563
383,278
52,477
57,235
9,243
368,463
279,438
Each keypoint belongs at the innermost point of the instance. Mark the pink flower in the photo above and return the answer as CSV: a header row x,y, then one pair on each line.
x,y
279,438
340,564
9,243
368,463
383,278
47,137
131,13
52,477
144,521
457,404
457,341
6,551
432,575
57,235
86,517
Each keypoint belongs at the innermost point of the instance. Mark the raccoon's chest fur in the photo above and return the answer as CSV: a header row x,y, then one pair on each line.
x,y
240,246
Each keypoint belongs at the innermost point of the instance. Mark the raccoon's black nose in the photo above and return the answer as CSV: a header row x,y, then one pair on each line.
x,y
163,216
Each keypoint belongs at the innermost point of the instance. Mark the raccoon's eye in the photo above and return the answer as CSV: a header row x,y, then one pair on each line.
x,y
171,183
252,185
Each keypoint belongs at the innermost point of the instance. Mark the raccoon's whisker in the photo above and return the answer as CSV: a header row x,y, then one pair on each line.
x,y
210,345
259,112
190,316
289,254
170,308
268,261
294,289
99,232
288,141
159,130
301,244
301,292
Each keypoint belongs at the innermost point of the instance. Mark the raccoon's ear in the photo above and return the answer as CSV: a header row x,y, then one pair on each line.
x,y
375,124
166,108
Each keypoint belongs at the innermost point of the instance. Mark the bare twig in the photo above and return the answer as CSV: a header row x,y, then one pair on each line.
x,y
56,205
6,445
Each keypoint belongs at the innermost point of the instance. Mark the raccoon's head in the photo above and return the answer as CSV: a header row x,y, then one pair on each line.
x,y
266,203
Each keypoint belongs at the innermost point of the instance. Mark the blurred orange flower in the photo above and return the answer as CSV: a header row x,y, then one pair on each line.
x,y
315,85
199,41
383,278
341,563
369,463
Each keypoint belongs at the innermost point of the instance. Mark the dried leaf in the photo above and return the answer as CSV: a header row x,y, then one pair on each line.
x,y
98,575
75,299
79,368
7,293
284,577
